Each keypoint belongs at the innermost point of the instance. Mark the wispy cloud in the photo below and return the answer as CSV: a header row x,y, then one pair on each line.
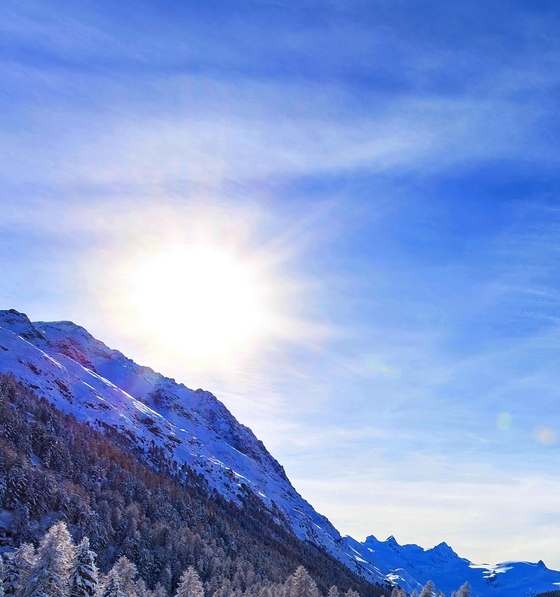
x,y
393,171
490,519
224,145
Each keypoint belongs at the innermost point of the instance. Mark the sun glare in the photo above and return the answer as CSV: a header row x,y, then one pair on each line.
x,y
201,299
200,292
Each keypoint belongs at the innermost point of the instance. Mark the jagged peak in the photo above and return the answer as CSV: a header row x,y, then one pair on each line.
x,y
19,324
443,547
373,540
442,551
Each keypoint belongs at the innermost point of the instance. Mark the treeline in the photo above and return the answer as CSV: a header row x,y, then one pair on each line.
x,y
59,568
163,520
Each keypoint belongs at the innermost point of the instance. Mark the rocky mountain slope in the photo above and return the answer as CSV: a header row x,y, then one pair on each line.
x,y
55,468
80,375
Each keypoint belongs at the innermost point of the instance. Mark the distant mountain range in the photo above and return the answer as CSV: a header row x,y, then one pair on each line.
x,y
80,375
410,565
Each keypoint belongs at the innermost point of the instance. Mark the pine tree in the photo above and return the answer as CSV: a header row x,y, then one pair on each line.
x,y
189,584
303,585
333,592
85,582
120,580
428,590
159,591
113,587
17,569
464,591
398,592
1,577
165,578
141,589
10,575
50,575
20,523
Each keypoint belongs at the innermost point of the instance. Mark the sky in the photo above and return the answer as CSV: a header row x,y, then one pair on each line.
x,y
340,217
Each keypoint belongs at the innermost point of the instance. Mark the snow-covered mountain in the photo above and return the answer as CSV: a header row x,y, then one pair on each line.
x,y
80,375
411,567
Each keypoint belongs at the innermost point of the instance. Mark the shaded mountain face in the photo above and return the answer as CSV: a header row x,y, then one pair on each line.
x,y
55,468
80,375
164,419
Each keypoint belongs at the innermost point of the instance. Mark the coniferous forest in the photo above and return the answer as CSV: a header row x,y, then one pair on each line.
x,y
154,528
59,567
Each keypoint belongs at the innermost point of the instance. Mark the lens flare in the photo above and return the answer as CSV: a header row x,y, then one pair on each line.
x,y
503,421
544,435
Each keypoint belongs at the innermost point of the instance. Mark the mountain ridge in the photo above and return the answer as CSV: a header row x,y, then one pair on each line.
x,y
81,375
54,468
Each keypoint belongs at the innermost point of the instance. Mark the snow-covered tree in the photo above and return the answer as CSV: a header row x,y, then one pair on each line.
x,y
189,584
17,568
51,574
1,577
303,585
428,590
333,592
398,592
85,582
112,587
159,591
11,575
165,578
464,591
120,580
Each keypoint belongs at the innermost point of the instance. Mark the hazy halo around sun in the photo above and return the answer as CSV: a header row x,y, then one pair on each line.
x,y
201,290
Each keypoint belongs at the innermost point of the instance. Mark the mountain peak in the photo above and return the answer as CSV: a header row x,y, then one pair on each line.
x,y
19,324
441,553
411,566
443,547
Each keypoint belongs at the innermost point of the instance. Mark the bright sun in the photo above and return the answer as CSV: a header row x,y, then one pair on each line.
x,y
199,298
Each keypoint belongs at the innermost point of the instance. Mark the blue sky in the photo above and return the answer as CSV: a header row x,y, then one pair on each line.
x,y
386,171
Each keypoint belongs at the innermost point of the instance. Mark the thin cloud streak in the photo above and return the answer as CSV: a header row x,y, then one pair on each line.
x,y
212,150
